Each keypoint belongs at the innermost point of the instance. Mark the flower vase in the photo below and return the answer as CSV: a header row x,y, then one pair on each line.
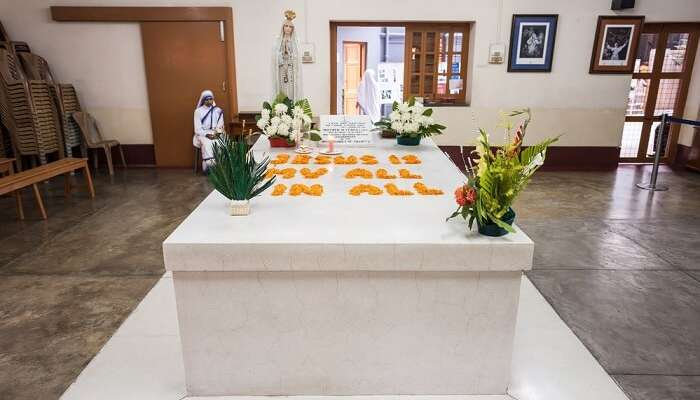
x,y
491,229
239,207
408,140
281,142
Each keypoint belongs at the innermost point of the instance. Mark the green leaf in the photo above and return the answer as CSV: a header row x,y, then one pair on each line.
x,y
428,112
395,106
267,106
412,101
314,137
454,214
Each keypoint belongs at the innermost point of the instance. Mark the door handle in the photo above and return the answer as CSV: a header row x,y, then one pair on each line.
x,y
223,86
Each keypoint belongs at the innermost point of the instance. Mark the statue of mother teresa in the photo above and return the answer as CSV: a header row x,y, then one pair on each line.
x,y
288,60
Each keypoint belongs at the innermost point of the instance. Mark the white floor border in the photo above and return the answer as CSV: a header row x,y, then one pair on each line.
x,y
143,359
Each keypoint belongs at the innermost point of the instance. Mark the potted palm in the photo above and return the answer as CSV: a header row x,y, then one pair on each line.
x,y
409,122
236,174
498,177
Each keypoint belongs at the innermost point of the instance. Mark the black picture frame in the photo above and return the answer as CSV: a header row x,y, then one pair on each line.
x,y
534,55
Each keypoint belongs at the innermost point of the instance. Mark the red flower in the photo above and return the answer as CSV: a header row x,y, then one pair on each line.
x,y
465,195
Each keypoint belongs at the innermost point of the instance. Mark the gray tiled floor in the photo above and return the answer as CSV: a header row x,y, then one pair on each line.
x,y
616,263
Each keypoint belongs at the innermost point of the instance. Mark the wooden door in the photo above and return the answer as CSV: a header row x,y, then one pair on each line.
x,y
662,72
182,59
354,65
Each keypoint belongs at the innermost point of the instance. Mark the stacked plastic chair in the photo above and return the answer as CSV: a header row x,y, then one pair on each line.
x,y
28,111
68,104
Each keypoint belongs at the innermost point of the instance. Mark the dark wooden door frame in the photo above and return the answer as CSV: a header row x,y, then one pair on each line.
x,y
150,14
333,25
662,29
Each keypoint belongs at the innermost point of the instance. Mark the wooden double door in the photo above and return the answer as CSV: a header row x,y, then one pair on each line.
x,y
182,58
662,72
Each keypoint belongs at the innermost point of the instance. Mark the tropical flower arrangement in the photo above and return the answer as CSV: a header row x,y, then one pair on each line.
x,y
286,122
410,121
498,177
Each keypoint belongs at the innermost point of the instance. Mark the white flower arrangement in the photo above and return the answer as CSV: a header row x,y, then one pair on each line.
x,y
286,119
411,119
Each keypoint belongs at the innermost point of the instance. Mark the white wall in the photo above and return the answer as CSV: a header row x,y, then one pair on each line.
x,y
106,63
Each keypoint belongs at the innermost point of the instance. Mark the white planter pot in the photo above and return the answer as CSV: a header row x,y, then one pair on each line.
x,y
239,207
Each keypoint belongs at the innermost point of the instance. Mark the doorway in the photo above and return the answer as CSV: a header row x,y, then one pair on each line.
x,y
354,66
178,68
659,85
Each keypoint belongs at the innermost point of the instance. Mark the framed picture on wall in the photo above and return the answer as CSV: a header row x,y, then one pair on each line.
x,y
615,44
532,42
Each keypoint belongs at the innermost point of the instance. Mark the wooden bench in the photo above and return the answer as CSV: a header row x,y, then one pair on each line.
x,y
16,181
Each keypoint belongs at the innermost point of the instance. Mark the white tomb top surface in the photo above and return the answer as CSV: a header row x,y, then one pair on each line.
x,y
340,232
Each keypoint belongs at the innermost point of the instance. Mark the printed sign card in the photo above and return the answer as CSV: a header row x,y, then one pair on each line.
x,y
347,129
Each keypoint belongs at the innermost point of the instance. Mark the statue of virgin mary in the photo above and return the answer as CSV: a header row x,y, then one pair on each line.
x,y
288,60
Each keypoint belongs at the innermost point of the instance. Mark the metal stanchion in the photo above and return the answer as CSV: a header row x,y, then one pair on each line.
x,y
657,159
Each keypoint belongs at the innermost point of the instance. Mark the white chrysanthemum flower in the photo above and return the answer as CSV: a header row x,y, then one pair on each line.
x,y
297,111
280,108
296,135
403,107
275,121
286,119
262,122
406,117
271,130
283,129
412,127
394,116
397,126
265,113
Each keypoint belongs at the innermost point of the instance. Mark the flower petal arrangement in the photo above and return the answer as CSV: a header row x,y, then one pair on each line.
x,y
287,120
411,119
499,176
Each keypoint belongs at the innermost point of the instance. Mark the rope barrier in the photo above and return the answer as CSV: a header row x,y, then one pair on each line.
x,y
665,120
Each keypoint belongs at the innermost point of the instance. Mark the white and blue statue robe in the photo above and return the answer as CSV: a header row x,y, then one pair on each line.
x,y
207,120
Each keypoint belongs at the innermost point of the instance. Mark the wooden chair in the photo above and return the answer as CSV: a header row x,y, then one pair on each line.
x,y
93,139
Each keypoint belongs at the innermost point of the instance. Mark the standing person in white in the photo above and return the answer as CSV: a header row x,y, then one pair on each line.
x,y
368,96
208,125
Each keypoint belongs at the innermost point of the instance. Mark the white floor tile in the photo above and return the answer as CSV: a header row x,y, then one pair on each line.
x,y
133,368
143,359
549,362
155,315
382,397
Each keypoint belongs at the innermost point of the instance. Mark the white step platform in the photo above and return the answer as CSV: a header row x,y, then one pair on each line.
x,y
143,360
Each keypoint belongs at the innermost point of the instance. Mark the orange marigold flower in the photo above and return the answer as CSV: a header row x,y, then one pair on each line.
x,y
301,159
426,191
280,159
309,174
393,190
411,159
320,159
358,173
384,174
406,174
394,159
279,190
363,188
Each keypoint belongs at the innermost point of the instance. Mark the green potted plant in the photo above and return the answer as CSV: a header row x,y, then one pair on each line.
x,y
410,121
286,122
498,177
236,174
